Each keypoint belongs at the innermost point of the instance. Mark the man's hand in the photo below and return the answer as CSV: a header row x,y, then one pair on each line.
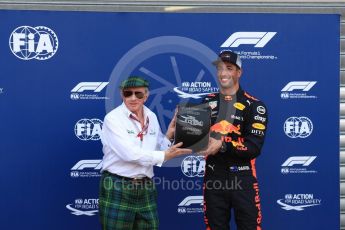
x,y
171,129
213,147
175,151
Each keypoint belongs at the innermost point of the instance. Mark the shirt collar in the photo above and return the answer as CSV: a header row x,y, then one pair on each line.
x,y
128,112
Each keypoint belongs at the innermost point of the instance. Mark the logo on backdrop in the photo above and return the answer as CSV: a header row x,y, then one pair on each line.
x,y
38,42
298,90
250,39
191,204
193,166
1,90
195,90
298,165
86,207
88,129
86,168
298,127
92,91
298,202
259,39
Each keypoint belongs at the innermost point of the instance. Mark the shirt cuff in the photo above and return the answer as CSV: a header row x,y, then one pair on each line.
x,y
158,159
166,143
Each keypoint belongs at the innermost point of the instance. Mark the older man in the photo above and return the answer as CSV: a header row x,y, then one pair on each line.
x,y
132,145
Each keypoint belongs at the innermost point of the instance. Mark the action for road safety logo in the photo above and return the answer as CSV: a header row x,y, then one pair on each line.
x,y
298,202
195,90
86,207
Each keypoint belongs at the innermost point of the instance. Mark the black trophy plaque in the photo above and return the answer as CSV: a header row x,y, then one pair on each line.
x,y
193,126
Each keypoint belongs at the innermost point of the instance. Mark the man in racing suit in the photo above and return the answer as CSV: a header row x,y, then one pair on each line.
x,y
239,123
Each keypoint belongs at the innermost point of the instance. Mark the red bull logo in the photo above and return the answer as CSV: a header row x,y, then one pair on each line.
x,y
257,204
239,144
224,127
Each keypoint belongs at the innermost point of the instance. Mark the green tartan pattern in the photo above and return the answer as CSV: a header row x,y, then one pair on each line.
x,y
127,205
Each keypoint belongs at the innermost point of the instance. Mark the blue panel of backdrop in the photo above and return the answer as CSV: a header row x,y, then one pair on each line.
x,y
59,76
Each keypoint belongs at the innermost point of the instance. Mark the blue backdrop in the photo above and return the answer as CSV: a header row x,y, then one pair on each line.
x,y
59,77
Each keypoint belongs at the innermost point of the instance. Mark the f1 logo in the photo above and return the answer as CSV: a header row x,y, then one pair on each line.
x,y
94,164
94,86
302,85
299,160
260,39
189,200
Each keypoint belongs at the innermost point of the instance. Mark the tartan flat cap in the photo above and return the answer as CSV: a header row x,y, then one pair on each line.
x,y
134,81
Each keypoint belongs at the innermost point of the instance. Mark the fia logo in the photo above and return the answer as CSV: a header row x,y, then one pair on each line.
x,y
193,166
298,127
88,129
40,42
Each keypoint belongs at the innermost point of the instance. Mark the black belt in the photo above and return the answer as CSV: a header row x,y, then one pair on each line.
x,y
143,179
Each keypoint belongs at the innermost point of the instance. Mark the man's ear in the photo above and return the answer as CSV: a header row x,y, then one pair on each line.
x,y
147,94
240,71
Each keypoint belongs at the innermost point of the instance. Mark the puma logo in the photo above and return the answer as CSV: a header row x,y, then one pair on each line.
x,y
212,167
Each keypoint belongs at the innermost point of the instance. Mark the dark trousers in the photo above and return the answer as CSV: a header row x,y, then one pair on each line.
x,y
243,199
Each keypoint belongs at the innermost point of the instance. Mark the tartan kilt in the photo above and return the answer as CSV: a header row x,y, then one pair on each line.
x,y
124,204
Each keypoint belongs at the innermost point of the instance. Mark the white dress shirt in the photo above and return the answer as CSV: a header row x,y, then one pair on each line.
x,y
125,154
